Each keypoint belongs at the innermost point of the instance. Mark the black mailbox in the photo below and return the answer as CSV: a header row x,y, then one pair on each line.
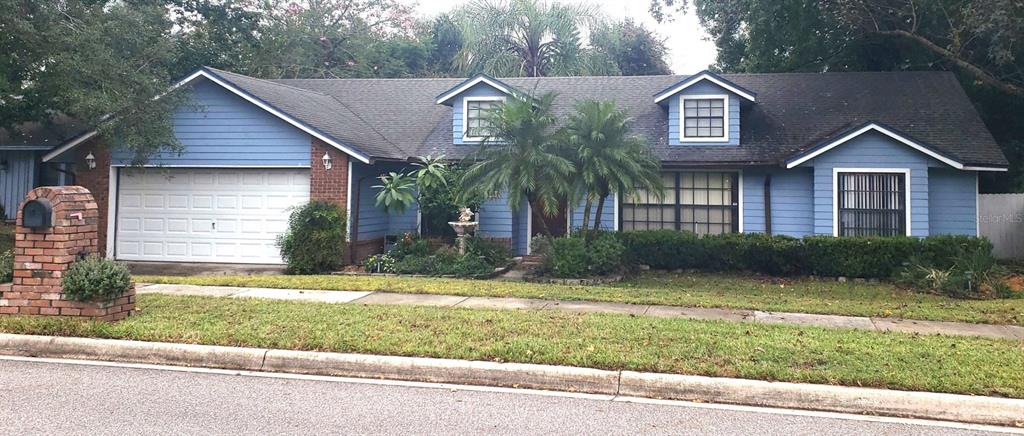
x,y
37,214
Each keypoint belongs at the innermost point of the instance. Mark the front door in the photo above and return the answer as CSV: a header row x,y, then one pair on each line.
x,y
558,224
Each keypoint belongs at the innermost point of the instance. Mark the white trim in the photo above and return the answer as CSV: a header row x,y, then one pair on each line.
x,y
977,205
448,95
997,169
703,76
835,192
739,198
529,226
60,150
112,212
228,86
348,204
884,131
615,212
725,118
465,115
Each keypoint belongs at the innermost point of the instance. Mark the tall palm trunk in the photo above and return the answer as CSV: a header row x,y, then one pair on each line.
x,y
600,208
586,211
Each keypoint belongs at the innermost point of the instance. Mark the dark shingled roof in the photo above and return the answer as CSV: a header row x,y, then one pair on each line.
x,y
399,118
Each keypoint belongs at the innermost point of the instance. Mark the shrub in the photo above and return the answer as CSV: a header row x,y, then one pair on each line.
x,y
495,253
567,257
315,239
974,273
471,265
605,253
864,257
413,265
6,266
540,245
410,245
96,279
379,263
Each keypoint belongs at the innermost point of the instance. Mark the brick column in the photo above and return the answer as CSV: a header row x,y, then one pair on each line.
x,y
42,256
97,181
328,185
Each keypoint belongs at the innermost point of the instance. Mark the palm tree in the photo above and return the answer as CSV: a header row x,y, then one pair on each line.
x,y
522,156
527,38
609,159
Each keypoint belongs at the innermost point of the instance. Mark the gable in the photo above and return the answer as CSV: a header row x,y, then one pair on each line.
x,y
703,88
480,91
220,128
872,133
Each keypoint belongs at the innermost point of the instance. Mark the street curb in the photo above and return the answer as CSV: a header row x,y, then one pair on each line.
x,y
904,404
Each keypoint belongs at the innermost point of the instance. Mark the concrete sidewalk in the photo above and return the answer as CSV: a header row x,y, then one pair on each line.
x,y
390,298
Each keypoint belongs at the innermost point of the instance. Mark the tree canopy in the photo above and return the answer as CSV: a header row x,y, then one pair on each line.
x,y
104,62
979,40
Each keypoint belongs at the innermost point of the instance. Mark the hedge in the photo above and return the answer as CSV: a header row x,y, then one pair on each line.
x,y
866,257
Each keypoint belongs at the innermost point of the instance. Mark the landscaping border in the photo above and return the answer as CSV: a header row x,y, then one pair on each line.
x,y
921,405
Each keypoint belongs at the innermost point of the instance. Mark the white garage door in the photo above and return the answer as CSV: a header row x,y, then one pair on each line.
x,y
205,215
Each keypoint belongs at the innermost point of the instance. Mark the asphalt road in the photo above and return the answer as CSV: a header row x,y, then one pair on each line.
x,y
38,397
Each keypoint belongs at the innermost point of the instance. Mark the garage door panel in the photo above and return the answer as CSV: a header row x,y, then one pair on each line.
x,y
206,215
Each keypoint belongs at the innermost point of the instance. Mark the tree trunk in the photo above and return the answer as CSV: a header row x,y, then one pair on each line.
x,y
586,212
600,208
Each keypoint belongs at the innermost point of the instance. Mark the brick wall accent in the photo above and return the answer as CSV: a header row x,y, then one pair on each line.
x,y
328,185
97,181
42,256
365,248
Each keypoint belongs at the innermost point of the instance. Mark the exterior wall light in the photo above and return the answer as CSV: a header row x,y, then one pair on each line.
x,y
90,160
328,162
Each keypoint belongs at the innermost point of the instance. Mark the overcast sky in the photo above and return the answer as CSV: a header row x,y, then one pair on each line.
x,y
689,51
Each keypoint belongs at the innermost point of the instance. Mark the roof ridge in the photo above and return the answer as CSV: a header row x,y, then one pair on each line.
x,y
272,82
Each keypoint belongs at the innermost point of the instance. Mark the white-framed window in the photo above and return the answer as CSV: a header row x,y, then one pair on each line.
x,y
871,202
475,111
704,118
702,202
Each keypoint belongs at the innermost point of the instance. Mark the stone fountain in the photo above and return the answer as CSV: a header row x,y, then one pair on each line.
x,y
463,227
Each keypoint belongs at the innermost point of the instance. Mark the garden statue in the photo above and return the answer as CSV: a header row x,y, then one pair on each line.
x,y
463,227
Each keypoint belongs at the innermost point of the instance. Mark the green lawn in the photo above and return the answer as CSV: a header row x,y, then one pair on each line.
x,y
689,289
713,348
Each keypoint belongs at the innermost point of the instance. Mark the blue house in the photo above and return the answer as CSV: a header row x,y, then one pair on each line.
x,y
793,154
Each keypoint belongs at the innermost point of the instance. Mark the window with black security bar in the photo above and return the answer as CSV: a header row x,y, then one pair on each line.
x,y
697,201
872,204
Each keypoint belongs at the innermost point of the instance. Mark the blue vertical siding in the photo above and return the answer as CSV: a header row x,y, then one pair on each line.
x,y
792,197
496,217
607,214
703,87
373,221
953,202
222,129
479,90
871,150
20,177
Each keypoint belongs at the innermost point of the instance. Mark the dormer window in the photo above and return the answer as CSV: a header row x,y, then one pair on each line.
x,y
704,118
475,117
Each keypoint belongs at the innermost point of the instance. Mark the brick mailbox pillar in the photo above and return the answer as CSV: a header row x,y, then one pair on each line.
x,y
43,254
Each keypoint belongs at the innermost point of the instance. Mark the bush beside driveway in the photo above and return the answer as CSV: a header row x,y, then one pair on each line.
x,y
728,291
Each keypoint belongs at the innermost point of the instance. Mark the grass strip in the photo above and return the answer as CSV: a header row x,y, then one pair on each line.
x,y
690,289
614,342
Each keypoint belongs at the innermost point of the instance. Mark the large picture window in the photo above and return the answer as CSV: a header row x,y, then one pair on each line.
x,y
704,118
871,204
697,201
477,111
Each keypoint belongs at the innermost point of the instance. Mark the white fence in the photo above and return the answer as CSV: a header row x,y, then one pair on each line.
x,y
1001,220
